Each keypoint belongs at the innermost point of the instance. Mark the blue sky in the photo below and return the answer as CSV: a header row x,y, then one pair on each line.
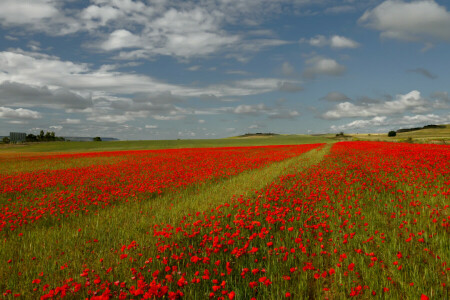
x,y
162,69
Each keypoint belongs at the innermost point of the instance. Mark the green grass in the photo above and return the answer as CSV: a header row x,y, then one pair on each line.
x,y
55,243
431,135
161,144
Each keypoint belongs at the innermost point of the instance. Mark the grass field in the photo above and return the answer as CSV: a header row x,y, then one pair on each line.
x,y
162,144
439,135
308,221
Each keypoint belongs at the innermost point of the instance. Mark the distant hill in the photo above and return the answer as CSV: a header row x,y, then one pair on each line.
x,y
258,134
87,139
420,128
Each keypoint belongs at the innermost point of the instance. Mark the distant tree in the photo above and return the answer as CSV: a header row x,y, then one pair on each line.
x,y
392,133
31,138
340,133
97,139
47,137
41,135
6,140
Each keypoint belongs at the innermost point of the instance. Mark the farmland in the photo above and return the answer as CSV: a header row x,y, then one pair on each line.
x,y
304,221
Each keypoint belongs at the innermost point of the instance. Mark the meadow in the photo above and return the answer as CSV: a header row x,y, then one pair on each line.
x,y
245,218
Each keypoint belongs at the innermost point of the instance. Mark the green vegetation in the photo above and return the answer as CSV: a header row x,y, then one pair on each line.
x,y
439,134
166,144
392,133
69,242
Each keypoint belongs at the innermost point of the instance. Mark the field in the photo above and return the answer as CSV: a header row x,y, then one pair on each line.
x,y
433,135
162,144
306,219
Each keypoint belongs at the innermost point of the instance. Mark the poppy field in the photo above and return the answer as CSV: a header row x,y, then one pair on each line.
x,y
314,221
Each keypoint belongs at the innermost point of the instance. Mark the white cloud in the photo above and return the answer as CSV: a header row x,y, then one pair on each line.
x,y
384,123
13,12
250,109
121,39
48,74
323,66
168,118
110,118
41,96
194,68
151,126
283,114
421,21
408,102
72,121
335,41
277,112
424,119
201,121
19,113
182,33
183,29
288,70
360,124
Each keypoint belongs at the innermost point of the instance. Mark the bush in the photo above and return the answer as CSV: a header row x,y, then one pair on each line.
x,y
392,133
97,139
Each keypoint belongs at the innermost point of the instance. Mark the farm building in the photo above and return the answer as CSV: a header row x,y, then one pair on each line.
x,y
17,137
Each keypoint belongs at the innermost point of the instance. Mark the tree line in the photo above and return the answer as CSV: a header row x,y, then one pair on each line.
x,y
48,136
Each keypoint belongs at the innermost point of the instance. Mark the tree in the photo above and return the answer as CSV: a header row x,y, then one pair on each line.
x,y
6,140
47,136
97,139
41,135
31,138
392,133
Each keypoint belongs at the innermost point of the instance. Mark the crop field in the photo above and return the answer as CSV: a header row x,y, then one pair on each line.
x,y
368,220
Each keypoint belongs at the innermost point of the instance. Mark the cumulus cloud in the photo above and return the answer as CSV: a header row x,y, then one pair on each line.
x,y
284,114
72,121
183,29
120,39
41,96
39,70
424,72
335,41
250,109
420,21
360,124
276,112
381,123
319,66
19,113
46,81
14,12
411,101
151,126
288,70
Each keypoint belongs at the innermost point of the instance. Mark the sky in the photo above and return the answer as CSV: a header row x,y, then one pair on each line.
x,y
169,69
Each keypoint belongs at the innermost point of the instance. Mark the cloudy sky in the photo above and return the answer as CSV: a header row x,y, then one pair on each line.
x,y
168,69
